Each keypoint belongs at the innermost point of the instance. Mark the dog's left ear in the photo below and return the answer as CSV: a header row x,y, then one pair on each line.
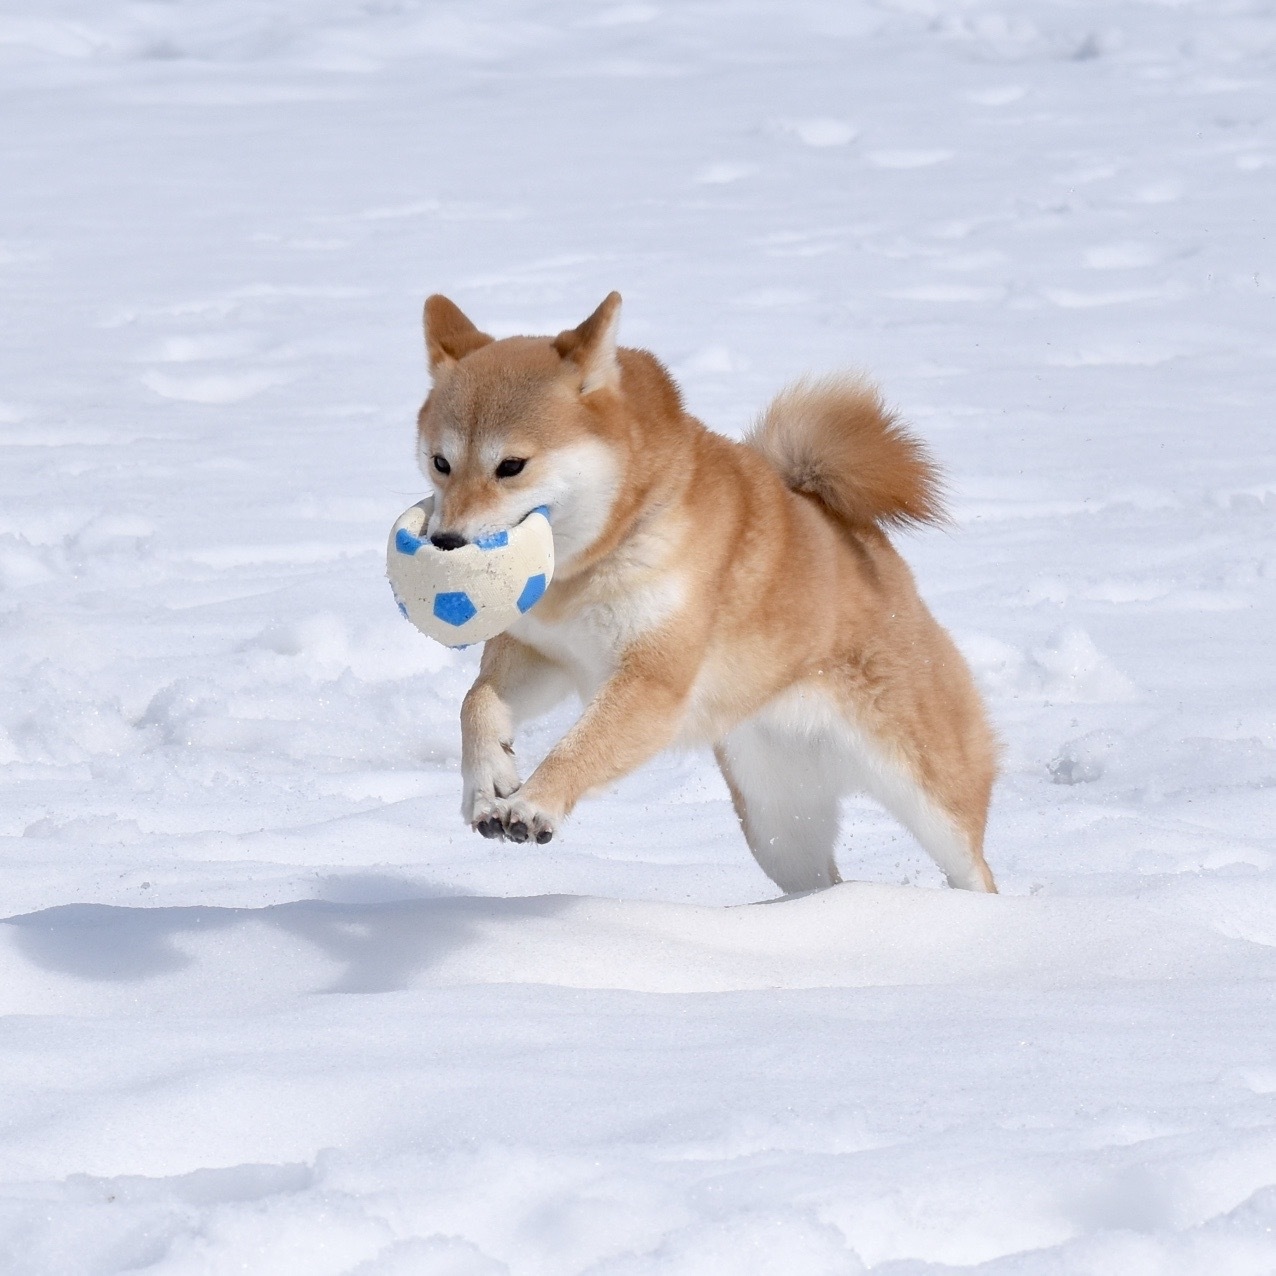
x,y
449,334
592,347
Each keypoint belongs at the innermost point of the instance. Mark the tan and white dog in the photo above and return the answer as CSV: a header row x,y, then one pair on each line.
x,y
741,595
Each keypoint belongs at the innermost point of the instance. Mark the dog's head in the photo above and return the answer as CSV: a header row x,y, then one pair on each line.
x,y
517,423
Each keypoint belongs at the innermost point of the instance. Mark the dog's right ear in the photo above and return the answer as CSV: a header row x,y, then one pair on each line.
x,y
592,347
449,335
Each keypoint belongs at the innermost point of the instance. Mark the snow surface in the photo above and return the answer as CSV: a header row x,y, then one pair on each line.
x,y
268,1006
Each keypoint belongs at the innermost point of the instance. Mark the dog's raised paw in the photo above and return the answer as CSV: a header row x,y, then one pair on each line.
x,y
523,822
519,832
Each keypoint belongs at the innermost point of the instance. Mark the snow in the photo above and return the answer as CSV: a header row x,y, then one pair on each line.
x,y
267,1005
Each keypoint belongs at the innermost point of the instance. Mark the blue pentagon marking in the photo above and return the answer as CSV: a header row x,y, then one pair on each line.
x,y
542,509
405,542
532,592
496,540
454,608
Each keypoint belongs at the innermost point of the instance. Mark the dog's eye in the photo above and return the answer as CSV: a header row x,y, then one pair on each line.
x,y
440,464
510,466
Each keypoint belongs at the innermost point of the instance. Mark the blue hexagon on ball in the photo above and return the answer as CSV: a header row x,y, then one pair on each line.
x,y
454,608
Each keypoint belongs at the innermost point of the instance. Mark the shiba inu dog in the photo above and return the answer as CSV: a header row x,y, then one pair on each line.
x,y
739,595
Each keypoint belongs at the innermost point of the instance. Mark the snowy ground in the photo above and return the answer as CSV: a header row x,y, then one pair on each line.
x,y
268,1006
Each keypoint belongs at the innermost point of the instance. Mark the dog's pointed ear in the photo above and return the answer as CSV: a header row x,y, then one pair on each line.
x,y
592,347
449,335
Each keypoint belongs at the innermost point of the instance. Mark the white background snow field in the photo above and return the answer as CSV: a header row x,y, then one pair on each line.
x,y
267,1006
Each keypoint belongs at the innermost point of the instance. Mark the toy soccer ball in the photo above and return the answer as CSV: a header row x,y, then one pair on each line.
x,y
470,594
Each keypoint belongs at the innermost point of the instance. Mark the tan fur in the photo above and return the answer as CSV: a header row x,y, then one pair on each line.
x,y
743,596
835,440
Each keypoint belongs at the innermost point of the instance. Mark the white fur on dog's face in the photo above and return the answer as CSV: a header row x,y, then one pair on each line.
x,y
577,482
580,486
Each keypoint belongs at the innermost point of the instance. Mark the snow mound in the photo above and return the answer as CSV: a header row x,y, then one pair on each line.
x,y
86,959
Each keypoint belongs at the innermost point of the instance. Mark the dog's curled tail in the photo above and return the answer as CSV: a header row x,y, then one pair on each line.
x,y
835,440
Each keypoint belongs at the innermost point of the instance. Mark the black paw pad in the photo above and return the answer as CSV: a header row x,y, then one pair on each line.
x,y
544,836
490,827
517,832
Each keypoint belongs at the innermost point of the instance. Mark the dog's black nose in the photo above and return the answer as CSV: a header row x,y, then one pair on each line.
x,y
447,540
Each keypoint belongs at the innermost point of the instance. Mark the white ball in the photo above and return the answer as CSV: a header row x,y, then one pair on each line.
x,y
470,594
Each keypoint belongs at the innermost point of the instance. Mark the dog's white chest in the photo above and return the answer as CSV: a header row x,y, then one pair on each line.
x,y
590,642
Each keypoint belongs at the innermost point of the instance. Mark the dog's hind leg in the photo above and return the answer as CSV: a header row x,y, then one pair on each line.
x,y
788,767
945,815
786,798
958,851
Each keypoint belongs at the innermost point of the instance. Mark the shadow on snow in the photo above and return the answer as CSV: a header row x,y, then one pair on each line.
x,y
382,945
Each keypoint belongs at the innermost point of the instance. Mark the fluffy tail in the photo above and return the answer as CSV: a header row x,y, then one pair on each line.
x,y
835,440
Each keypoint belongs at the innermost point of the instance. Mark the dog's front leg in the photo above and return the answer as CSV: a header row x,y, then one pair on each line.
x,y
514,683
635,714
